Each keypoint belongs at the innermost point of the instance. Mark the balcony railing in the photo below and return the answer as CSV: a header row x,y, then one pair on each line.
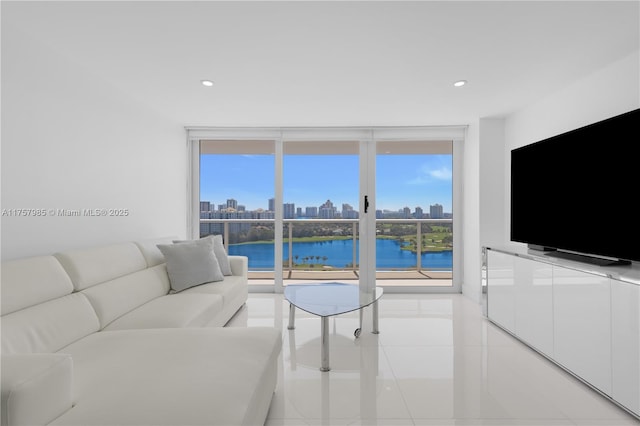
x,y
385,229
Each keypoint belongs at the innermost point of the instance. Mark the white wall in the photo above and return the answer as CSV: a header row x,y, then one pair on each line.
x,y
492,157
471,216
483,197
610,91
69,141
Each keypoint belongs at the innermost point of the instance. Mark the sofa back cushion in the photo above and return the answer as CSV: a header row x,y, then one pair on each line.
x,y
91,266
39,311
116,278
49,326
151,252
114,298
31,281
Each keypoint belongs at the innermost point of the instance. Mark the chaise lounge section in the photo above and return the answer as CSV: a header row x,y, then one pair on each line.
x,y
96,336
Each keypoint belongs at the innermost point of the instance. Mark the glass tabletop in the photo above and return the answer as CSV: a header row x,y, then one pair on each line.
x,y
328,299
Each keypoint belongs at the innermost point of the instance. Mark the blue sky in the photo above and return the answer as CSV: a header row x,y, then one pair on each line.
x,y
309,180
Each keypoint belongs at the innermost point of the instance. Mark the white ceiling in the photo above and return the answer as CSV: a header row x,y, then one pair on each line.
x,y
333,63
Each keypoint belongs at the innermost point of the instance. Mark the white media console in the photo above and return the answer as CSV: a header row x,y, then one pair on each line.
x,y
583,317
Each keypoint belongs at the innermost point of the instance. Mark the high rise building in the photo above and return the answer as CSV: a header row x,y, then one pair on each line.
x,y
327,205
289,211
205,206
264,215
419,213
435,211
348,212
205,228
232,204
311,212
272,205
327,210
327,213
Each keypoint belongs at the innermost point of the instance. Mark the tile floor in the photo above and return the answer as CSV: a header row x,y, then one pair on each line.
x,y
436,361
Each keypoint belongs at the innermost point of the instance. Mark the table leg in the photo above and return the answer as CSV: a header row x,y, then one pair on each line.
x,y
292,317
375,318
324,350
359,329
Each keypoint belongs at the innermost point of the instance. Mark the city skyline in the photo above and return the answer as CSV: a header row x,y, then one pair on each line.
x,y
310,180
236,205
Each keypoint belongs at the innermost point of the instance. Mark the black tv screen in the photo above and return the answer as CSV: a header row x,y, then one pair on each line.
x,y
576,192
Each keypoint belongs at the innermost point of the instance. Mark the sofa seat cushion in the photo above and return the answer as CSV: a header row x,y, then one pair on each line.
x,y
173,310
234,292
231,288
192,376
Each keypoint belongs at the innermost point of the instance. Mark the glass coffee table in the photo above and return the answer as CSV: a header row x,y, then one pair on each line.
x,y
329,299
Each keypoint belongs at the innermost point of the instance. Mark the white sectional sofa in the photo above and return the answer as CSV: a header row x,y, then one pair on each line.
x,y
95,337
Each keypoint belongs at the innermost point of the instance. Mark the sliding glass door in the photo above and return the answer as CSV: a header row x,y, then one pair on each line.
x,y
368,206
236,192
414,193
321,211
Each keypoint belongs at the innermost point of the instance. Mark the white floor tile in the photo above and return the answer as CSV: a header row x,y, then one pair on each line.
x,y
437,361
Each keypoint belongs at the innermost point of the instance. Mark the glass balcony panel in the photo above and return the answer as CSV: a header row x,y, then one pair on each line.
x,y
324,250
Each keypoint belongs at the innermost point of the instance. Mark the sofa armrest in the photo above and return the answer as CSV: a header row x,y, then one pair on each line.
x,y
36,388
239,265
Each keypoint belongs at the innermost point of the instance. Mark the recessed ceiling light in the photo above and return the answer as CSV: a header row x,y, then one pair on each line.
x,y
460,83
207,83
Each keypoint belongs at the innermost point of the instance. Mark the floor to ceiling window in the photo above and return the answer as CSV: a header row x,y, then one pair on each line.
x,y
320,210
414,225
292,200
236,196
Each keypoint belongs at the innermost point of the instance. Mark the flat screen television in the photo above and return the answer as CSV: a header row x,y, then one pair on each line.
x,y
575,194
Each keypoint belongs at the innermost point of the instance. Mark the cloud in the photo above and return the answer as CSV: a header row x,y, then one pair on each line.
x,y
443,173
427,175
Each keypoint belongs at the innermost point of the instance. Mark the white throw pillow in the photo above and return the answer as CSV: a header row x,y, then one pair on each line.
x,y
190,264
218,250
221,254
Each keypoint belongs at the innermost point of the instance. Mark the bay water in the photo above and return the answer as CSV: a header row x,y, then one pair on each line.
x,y
339,254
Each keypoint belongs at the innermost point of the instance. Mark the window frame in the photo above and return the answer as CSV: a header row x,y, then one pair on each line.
x,y
279,135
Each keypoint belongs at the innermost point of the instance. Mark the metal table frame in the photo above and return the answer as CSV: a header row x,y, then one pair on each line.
x,y
350,300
